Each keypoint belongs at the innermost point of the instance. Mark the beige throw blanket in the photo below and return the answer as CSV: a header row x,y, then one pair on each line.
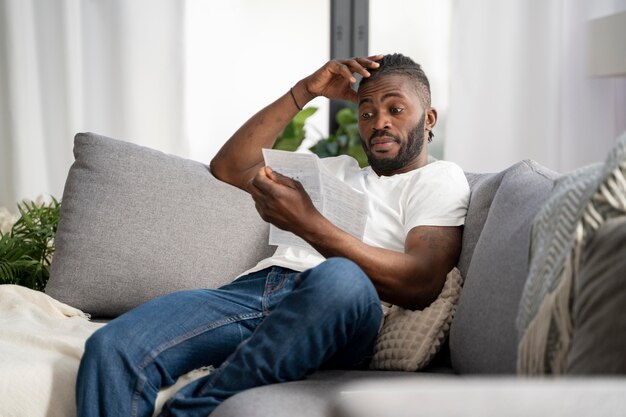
x,y
41,343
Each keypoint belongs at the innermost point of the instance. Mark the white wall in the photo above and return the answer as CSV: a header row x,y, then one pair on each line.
x,y
243,54
419,29
100,68
519,85
268,46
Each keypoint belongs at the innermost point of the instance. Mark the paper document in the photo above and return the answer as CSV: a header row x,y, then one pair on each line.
x,y
344,206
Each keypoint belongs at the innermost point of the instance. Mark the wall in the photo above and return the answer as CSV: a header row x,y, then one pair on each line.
x,y
519,86
243,54
419,29
283,41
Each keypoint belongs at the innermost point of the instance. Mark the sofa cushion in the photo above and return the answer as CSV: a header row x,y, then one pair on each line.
x,y
598,343
137,223
483,188
483,336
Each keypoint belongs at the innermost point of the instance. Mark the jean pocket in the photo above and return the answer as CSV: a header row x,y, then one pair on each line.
x,y
280,282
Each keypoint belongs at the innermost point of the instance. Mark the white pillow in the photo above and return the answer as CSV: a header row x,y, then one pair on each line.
x,y
409,339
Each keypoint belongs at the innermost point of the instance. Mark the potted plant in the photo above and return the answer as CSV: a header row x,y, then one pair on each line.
x,y
345,141
27,246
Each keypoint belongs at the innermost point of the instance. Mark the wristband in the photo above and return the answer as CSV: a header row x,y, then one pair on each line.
x,y
294,99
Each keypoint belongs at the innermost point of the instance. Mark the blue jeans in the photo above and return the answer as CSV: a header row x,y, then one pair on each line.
x,y
271,326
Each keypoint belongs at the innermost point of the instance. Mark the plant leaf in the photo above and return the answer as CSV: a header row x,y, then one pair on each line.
x,y
346,116
25,251
304,114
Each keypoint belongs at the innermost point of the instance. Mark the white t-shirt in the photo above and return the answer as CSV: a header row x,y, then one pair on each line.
x,y
434,195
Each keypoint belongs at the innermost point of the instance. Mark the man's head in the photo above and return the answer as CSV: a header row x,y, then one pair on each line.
x,y
395,115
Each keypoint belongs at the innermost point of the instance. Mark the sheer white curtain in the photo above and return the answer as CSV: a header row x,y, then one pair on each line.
x,y
519,87
113,67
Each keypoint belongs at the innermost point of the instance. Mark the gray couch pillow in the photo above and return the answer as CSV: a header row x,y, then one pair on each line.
x,y
598,343
137,223
483,188
483,337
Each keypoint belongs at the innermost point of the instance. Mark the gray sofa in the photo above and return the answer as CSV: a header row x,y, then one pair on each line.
x,y
137,223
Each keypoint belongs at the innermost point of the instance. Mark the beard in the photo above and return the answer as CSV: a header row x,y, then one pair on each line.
x,y
407,153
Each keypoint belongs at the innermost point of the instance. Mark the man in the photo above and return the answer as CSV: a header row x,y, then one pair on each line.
x,y
300,309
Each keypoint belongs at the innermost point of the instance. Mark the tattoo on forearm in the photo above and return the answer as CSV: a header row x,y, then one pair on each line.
x,y
440,238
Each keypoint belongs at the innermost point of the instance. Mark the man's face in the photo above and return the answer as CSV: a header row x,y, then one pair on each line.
x,y
392,125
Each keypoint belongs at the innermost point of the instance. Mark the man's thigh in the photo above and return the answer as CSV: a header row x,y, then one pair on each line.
x,y
176,333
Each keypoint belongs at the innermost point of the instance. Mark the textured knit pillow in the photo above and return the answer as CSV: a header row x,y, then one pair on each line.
x,y
409,339
582,201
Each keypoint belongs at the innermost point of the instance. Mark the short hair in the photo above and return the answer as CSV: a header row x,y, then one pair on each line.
x,y
398,64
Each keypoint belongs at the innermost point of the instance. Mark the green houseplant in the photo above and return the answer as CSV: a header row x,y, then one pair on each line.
x,y
345,141
26,249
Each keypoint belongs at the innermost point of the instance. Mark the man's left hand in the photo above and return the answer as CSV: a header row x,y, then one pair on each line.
x,y
281,201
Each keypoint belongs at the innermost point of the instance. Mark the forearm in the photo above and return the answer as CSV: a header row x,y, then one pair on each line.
x,y
241,156
400,278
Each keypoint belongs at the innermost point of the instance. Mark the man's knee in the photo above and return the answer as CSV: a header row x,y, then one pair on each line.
x,y
343,278
103,344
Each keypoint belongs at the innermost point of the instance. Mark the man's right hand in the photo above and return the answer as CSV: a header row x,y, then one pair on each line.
x,y
334,80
